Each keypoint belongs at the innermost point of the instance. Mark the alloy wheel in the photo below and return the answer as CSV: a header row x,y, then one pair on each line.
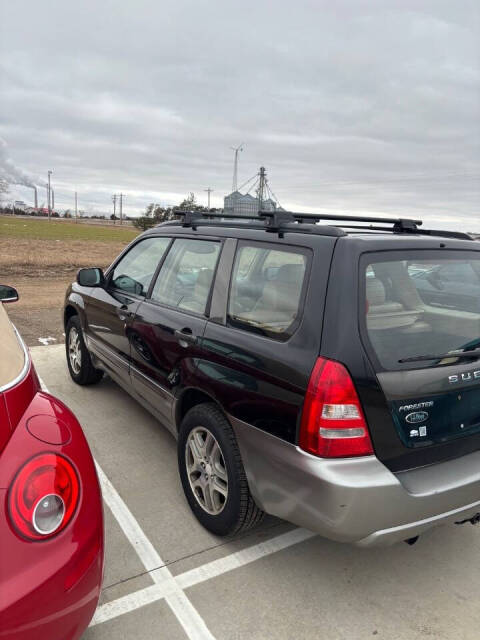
x,y
74,351
206,470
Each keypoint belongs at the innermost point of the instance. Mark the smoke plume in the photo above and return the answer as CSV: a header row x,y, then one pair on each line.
x,y
9,172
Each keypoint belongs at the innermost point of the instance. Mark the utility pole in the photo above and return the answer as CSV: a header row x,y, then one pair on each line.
x,y
53,201
76,207
209,191
48,193
235,166
261,187
114,199
121,208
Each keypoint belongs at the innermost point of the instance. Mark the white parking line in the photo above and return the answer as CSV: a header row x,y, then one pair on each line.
x,y
166,585
155,592
139,541
241,558
187,615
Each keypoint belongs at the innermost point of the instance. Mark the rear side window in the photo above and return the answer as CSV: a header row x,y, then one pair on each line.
x,y
422,305
267,289
187,274
134,272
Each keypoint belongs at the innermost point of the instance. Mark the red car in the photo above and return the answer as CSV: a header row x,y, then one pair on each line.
x,y
51,516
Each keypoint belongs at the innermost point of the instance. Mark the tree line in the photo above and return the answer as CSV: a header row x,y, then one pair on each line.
x,y
155,214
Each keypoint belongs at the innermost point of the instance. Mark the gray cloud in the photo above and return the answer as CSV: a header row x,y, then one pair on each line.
x,y
358,105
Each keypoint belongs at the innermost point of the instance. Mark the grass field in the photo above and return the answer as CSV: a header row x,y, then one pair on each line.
x,y
41,258
41,229
31,248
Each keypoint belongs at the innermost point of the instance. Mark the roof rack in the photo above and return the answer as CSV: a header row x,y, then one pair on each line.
x,y
278,221
276,218
459,235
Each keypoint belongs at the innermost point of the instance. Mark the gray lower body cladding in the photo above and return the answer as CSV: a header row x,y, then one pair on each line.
x,y
356,500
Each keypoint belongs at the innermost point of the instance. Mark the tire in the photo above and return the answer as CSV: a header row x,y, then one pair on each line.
x,y
79,362
223,515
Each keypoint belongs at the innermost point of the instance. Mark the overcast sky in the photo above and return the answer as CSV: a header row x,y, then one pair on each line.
x,y
352,105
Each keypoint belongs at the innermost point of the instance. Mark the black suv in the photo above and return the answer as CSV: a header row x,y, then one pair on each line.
x,y
303,365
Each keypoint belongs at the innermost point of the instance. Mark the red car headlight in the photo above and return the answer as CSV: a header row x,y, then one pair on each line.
x,y
44,496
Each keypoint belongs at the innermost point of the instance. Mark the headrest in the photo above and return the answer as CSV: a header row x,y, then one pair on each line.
x,y
290,273
375,291
204,278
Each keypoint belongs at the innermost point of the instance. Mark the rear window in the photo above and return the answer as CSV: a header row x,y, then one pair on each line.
x,y
421,304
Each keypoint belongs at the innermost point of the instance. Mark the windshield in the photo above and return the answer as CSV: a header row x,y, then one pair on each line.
x,y
422,305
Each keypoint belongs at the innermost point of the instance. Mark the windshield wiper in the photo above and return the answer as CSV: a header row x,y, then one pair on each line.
x,y
471,353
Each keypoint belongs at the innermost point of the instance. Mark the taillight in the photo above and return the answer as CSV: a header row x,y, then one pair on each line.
x,y
333,424
44,496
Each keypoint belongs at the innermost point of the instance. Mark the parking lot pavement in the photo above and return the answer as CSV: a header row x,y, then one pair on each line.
x,y
166,577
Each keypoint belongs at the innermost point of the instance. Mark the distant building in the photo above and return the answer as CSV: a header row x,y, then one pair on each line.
x,y
239,204
19,204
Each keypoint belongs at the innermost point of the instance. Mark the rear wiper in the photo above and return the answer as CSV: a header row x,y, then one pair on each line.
x,y
443,356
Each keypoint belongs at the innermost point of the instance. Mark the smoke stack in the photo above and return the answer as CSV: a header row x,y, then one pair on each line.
x,y
35,198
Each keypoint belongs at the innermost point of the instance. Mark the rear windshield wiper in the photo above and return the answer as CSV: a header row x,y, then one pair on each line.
x,y
443,356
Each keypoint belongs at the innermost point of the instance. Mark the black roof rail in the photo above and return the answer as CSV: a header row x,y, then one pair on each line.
x,y
280,216
308,217
276,221
459,235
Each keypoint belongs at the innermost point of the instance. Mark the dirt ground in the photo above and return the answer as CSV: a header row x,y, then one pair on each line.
x,y
41,270
38,313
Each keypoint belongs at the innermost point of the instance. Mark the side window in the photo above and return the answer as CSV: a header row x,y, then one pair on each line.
x,y
266,297
136,269
186,275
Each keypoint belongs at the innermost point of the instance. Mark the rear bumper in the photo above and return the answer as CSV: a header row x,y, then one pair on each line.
x,y
55,594
356,500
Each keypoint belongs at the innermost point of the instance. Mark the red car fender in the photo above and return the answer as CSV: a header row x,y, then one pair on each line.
x,y
48,586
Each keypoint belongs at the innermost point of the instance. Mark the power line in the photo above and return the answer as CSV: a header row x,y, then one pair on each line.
x,y
272,195
254,185
249,180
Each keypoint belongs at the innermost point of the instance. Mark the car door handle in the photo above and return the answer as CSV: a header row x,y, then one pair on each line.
x,y
185,337
123,313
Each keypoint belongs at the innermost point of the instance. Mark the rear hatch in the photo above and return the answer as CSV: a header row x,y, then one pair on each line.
x,y
421,330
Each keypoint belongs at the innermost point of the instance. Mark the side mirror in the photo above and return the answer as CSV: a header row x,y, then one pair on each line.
x,y
8,294
91,277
